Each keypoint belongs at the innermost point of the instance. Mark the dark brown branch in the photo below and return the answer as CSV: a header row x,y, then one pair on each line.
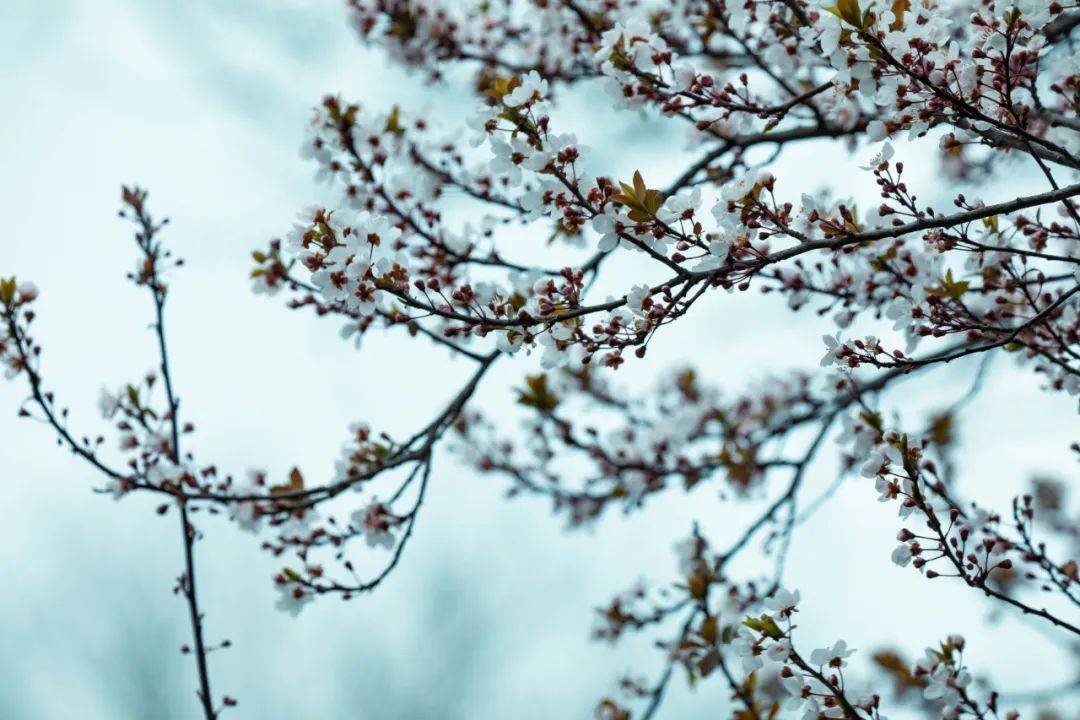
x,y
188,585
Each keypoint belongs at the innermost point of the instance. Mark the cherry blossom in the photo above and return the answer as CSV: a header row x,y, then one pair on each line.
x,y
493,232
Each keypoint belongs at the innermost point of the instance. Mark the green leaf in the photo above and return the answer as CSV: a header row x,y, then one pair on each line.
x,y
7,290
873,420
764,625
537,394
643,203
393,122
709,630
899,7
953,288
849,12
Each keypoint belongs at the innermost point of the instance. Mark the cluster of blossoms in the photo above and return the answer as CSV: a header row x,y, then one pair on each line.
x,y
946,678
993,294
989,87
725,621
16,299
682,435
985,550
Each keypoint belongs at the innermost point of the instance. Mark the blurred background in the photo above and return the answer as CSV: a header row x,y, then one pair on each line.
x,y
488,616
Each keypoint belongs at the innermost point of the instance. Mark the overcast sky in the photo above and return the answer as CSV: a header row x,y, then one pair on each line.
x,y
488,616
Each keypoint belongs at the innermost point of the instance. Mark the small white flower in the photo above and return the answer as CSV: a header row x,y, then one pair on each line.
x,y
900,312
832,348
830,37
375,522
604,224
779,651
832,656
509,341
748,652
902,554
872,466
876,131
946,685
783,601
108,404
681,207
263,284
27,292
636,297
684,76
509,157
115,488
884,155
293,597
352,331
246,513
532,87
794,684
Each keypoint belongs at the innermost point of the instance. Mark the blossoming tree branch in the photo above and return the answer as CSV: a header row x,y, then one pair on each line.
x,y
979,89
